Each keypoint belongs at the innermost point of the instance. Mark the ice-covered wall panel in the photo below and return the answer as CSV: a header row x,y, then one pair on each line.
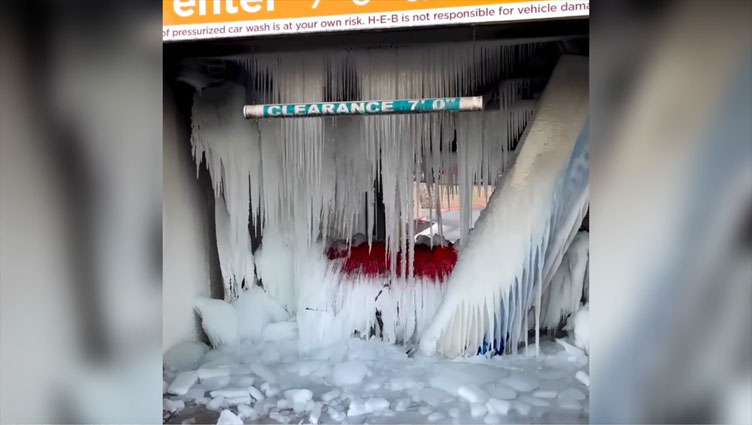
x,y
185,241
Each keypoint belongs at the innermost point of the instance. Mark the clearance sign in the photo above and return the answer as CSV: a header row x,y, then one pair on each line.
x,y
205,19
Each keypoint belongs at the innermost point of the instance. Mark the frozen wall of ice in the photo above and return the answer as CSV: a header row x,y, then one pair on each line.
x,y
315,177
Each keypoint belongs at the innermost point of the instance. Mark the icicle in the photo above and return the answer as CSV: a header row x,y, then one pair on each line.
x,y
235,256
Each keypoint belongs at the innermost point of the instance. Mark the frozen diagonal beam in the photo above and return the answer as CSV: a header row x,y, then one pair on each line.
x,y
365,107
523,228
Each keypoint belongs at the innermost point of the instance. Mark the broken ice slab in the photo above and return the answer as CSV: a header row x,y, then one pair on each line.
x,y
183,382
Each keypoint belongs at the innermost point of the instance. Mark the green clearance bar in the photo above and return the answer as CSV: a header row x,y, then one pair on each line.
x,y
365,107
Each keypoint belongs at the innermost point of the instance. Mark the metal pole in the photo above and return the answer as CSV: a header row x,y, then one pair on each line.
x,y
365,107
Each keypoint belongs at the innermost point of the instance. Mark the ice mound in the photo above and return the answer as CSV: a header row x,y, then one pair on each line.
x,y
245,319
349,373
579,323
184,355
256,310
219,320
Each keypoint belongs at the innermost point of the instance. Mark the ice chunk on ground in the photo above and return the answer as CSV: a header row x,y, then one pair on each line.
x,y
264,373
270,355
173,406
449,381
304,407
208,373
183,382
255,310
215,403
521,383
472,393
219,320
522,408
539,402
545,394
330,395
388,413
299,396
570,405
228,418
436,416
371,386
583,377
571,349
477,410
315,415
188,421
306,368
335,414
480,374
571,394
255,393
280,331
230,392
247,412
242,380
284,403
491,418
357,408
271,391
184,355
434,396
349,373
425,410
399,383
234,401
283,419
375,404
553,373
215,383
500,407
402,404
501,392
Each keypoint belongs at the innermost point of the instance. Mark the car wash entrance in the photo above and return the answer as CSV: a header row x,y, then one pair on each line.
x,y
365,203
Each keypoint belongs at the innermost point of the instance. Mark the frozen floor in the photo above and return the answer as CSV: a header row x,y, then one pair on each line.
x,y
360,381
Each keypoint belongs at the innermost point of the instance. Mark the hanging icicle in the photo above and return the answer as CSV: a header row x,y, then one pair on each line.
x,y
230,147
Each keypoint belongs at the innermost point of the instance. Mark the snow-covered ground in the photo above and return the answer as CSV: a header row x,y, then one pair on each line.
x,y
359,381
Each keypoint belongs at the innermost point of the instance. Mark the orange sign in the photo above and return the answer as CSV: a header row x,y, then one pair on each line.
x,y
197,19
